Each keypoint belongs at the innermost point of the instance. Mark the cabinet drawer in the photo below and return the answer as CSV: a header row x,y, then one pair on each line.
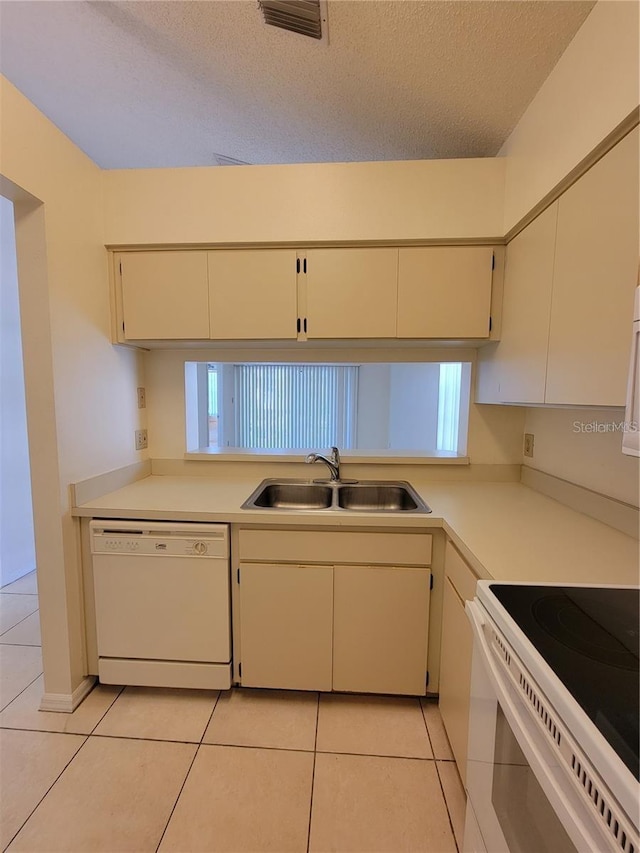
x,y
462,577
304,546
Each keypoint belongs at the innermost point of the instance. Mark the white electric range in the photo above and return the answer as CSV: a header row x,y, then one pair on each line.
x,y
553,731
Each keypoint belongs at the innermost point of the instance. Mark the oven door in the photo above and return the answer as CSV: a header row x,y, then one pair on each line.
x,y
519,797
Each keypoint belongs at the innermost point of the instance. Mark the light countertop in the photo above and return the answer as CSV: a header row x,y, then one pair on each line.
x,y
506,531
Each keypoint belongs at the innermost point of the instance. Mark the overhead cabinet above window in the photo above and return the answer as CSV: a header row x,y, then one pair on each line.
x,y
351,293
303,294
253,294
444,291
165,295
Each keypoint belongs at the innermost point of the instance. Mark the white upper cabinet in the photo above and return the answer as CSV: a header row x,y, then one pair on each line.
x,y
568,294
165,295
521,360
253,294
351,293
444,291
595,274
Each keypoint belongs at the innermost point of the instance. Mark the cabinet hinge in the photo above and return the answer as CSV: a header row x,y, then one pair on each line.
x,y
240,670
493,261
427,681
431,583
238,575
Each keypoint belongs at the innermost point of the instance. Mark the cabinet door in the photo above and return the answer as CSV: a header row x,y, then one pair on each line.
x,y
285,626
165,295
526,311
252,294
444,292
594,280
381,621
455,654
351,293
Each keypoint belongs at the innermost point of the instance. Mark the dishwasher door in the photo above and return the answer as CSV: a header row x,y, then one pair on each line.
x,y
162,603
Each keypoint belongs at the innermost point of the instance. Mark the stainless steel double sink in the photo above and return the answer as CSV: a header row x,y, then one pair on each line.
x,y
336,496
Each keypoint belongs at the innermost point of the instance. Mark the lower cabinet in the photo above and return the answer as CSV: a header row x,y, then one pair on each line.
x,y
380,624
334,626
286,625
456,653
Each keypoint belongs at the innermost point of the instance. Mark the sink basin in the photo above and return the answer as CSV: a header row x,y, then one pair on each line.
x,y
284,495
379,497
364,496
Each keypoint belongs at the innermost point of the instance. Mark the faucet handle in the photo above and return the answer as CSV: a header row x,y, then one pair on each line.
x,y
335,453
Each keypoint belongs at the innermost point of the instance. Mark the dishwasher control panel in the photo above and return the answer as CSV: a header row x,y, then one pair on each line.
x,y
158,539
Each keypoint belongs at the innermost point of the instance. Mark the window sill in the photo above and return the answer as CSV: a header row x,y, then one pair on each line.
x,y
360,457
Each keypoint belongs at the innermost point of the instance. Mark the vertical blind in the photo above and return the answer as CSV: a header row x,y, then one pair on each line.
x,y
449,406
297,406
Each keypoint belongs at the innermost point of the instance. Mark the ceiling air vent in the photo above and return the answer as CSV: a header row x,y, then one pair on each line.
x,y
223,160
305,17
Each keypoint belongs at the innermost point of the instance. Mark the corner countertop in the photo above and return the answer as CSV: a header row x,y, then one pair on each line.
x,y
506,531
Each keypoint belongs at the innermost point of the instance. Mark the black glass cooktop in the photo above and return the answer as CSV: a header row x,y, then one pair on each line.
x,y
589,636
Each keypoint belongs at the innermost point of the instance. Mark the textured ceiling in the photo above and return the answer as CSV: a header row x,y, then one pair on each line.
x,y
143,84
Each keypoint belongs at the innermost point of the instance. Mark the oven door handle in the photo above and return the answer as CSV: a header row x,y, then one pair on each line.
x,y
528,735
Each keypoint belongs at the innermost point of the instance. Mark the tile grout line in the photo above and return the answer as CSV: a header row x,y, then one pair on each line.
x,y
446,805
198,747
107,709
435,761
16,625
313,771
17,580
208,723
5,591
47,792
424,720
4,707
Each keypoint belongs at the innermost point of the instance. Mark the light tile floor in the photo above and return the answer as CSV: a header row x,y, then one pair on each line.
x,y
140,769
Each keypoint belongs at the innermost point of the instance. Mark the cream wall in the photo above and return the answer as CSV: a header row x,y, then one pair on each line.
x,y
577,445
81,391
319,201
592,88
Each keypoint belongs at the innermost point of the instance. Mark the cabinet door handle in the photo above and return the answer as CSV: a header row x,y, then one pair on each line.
x,y
305,324
298,266
298,325
304,265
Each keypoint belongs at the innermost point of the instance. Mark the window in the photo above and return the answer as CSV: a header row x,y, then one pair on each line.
x,y
275,406
417,408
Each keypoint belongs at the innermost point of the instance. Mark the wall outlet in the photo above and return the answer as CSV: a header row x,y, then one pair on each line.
x,y
141,439
142,398
528,444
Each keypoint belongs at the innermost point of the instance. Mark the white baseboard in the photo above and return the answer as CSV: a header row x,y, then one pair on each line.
x,y
66,703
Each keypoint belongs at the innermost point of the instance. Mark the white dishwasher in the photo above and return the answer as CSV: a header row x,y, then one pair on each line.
x,y
162,603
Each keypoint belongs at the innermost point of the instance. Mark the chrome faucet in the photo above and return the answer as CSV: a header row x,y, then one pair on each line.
x,y
333,463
